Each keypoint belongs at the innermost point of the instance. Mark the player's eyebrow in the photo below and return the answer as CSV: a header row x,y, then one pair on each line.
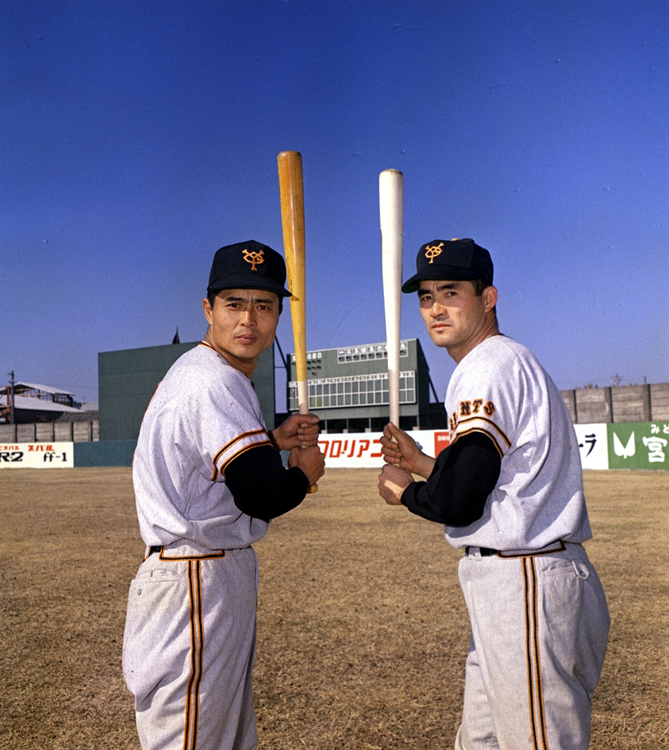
x,y
442,287
235,298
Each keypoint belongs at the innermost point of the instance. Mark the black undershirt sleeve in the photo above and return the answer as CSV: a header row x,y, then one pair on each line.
x,y
464,475
260,485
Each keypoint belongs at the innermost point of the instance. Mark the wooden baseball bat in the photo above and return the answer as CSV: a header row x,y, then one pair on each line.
x,y
391,208
291,192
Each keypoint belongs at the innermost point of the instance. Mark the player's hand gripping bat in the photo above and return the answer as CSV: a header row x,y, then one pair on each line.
x,y
392,236
291,191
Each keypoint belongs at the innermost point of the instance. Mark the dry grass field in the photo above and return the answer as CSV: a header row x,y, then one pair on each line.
x,y
362,630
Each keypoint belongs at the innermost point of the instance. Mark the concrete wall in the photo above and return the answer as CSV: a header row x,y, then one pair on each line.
x,y
41,432
631,403
127,380
617,404
106,453
659,401
593,405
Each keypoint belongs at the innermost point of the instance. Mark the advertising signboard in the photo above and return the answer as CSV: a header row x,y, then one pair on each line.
x,y
362,450
593,445
638,445
36,455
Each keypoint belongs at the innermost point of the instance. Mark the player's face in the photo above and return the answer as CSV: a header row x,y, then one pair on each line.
x,y
456,318
242,324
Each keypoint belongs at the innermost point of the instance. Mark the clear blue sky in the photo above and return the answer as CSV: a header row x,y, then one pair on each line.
x,y
137,137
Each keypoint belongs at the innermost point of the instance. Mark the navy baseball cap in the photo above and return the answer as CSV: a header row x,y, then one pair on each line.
x,y
248,265
450,260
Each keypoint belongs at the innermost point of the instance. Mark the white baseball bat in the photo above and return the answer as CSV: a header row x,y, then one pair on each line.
x,y
391,207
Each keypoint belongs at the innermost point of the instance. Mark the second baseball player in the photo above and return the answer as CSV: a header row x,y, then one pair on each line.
x,y
509,490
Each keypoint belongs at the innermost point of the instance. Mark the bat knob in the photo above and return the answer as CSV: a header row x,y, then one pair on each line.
x,y
312,488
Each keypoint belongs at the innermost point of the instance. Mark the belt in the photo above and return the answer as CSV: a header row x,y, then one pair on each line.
x,y
485,551
558,546
190,553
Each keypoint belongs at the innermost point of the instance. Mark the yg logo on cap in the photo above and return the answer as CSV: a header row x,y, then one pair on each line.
x,y
255,258
432,251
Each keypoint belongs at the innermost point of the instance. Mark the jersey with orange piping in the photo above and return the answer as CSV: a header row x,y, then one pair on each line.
x,y
501,389
203,414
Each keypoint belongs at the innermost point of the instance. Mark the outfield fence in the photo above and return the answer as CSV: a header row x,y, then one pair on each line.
x,y
615,404
630,445
50,432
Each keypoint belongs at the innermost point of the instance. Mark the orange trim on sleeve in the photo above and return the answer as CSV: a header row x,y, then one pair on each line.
x,y
239,453
483,432
229,445
496,428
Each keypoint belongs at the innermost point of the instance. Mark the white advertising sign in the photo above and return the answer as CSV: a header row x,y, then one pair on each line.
x,y
36,455
593,445
362,450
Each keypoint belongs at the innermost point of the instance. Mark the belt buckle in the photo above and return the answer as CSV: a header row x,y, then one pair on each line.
x,y
482,551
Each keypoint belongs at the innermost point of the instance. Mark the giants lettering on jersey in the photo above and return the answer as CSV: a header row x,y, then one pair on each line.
x,y
469,408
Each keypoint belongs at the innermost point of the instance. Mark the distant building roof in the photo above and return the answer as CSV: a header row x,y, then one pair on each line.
x,y
22,385
30,403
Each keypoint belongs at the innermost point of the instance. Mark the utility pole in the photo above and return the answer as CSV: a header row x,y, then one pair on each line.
x,y
11,396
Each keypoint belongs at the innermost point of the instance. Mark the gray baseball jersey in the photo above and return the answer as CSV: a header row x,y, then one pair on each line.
x,y
189,640
500,389
537,608
203,414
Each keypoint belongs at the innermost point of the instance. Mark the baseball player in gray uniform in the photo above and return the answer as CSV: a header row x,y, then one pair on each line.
x,y
208,478
509,490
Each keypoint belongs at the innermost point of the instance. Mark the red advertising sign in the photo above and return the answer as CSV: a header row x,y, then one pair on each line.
x,y
442,439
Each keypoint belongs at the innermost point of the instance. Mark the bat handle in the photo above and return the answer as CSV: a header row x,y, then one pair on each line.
x,y
312,487
304,409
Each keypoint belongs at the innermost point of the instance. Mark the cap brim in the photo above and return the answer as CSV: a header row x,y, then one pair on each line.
x,y
250,281
442,273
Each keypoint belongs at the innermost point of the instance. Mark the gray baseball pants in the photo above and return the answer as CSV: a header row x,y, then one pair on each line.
x,y
539,631
188,649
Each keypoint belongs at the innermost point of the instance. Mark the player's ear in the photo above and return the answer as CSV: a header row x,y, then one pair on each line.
x,y
208,314
490,298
